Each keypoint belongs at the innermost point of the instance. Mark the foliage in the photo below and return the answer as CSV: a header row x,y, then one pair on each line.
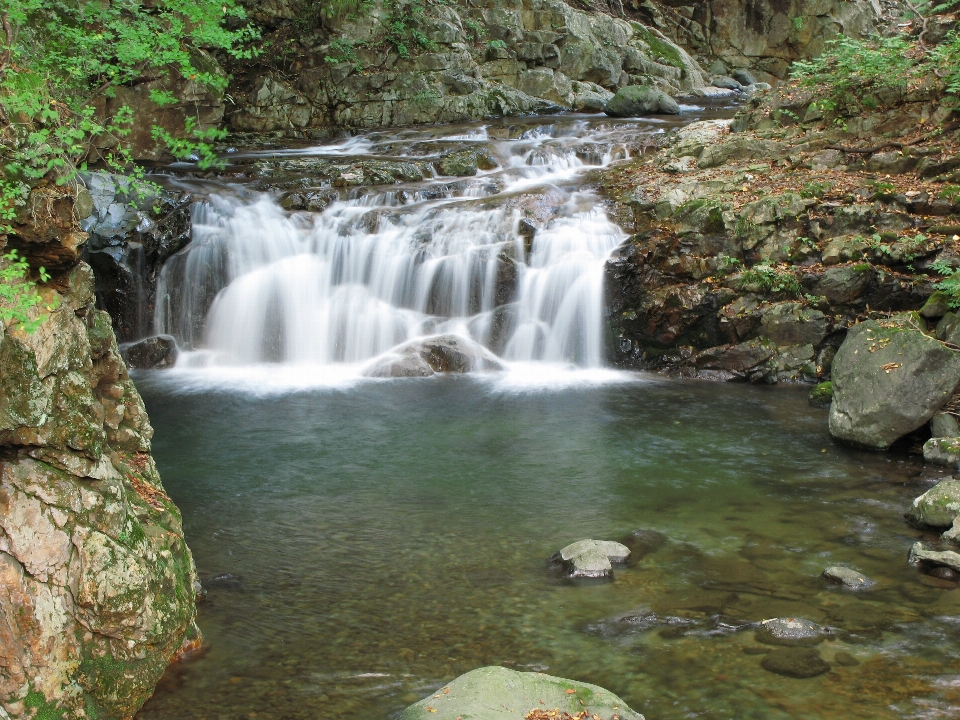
x,y
18,296
950,286
343,51
849,69
770,279
403,30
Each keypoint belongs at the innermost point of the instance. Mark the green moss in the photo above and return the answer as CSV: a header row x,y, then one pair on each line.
x,y
822,394
35,700
662,51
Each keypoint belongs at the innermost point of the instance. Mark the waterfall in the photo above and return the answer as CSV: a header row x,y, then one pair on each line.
x,y
259,284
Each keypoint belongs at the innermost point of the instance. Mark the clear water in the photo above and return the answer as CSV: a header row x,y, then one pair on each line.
x,y
385,537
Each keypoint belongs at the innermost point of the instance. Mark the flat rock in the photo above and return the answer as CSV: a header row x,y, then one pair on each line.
x,y
848,577
496,693
790,631
591,558
795,663
938,507
888,380
946,558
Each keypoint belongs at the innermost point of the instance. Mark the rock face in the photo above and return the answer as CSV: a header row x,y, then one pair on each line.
x,y
889,380
639,100
437,354
591,558
96,582
472,61
938,507
496,693
765,36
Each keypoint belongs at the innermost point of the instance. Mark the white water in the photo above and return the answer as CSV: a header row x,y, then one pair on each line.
x,y
331,291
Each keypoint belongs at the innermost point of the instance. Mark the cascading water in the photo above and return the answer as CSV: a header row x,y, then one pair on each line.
x,y
259,284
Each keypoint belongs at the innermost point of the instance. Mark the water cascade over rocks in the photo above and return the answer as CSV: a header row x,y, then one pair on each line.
x,y
510,259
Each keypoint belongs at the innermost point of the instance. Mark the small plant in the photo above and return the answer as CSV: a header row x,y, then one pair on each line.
x,y
727,264
343,51
475,29
18,296
497,45
815,189
950,286
942,267
767,278
883,188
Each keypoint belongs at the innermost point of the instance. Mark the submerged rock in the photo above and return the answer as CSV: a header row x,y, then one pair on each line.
x,y
437,354
848,577
790,631
639,100
888,380
591,558
157,352
795,663
937,507
496,693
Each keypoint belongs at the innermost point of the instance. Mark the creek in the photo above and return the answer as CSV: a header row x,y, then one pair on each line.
x,y
363,540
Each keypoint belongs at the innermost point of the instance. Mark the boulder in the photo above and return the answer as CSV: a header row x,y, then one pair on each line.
x,y
496,693
944,425
639,100
946,558
937,507
436,354
737,148
936,306
848,577
793,324
727,83
795,663
948,329
157,352
942,451
591,558
589,97
462,163
744,76
790,631
821,395
888,380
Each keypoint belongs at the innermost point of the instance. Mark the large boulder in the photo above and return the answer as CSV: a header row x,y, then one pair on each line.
x,y
639,100
888,380
938,507
496,693
436,354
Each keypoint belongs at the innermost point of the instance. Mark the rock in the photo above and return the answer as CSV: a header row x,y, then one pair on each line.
x,y
942,451
946,558
843,285
948,329
889,380
462,163
639,100
496,693
641,543
790,631
159,351
938,507
793,324
845,659
936,306
848,577
953,534
744,76
821,395
718,68
727,83
589,97
944,425
737,148
795,663
439,353
591,558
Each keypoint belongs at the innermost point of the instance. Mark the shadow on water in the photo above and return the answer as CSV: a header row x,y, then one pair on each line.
x,y
363,546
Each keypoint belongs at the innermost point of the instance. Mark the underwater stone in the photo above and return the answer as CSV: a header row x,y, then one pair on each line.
x,y
795,663
848,577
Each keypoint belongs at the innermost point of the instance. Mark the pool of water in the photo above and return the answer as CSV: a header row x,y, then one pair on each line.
x,y
364,545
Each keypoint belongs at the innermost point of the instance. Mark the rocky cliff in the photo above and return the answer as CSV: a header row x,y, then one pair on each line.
x,y
97,586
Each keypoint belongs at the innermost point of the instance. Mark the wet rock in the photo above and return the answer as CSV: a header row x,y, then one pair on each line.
x,y
953,534
795,663
848,577
496,693
640,100
157,352
821,395
889,379
945,573
591,558
437,354
944,425
793,324
942,451
937,507
641,543
945,558
463,163
790,631
845,659
936,306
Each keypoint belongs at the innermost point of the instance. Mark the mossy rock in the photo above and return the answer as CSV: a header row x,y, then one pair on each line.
x,y
496,693
822,394
939,506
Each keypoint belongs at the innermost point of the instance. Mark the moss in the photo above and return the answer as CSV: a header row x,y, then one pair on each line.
x,y
663,51
822,394
35,700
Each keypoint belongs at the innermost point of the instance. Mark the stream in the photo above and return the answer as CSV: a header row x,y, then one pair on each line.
x,y
364,540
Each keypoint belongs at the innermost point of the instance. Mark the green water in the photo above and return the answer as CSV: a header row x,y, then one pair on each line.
x,y
387,537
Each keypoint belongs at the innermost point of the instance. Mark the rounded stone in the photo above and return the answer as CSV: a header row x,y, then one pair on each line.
x,y
795,663
790,631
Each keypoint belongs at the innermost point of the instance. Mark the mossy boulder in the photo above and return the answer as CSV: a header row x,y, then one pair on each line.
x,y
464,163
640,100
496,693
938,507
942,451
822,394
889,379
